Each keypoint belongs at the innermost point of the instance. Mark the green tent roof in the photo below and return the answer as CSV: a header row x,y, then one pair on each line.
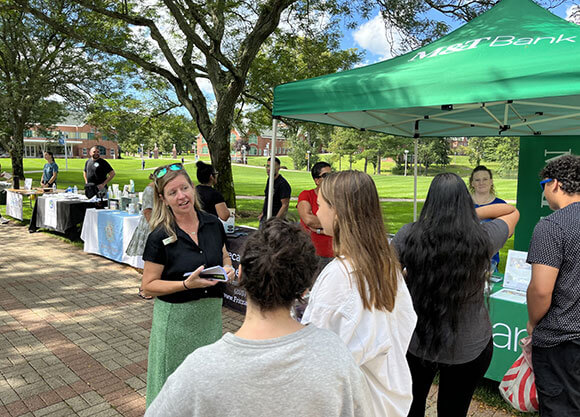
x,y
513,70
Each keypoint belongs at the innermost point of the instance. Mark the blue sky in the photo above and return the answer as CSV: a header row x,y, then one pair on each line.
x,y
370,36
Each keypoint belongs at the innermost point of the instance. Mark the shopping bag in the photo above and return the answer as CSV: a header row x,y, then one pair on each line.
x,y
518,386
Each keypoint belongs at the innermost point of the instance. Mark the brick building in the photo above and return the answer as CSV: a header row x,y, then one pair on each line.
x,y
73,131
258,144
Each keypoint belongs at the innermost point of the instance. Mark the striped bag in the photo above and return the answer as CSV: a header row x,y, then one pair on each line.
x,y
518,386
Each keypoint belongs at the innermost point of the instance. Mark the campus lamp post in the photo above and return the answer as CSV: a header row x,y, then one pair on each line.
x,y
308,159
406,155
244,154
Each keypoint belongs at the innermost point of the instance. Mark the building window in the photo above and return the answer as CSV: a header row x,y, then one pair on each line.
x,y
28,133
204,150
233,138
84,151
112,152
90,135
83,135
253,139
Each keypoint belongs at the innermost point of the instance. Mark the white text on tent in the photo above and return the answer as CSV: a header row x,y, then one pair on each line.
x,y
504,40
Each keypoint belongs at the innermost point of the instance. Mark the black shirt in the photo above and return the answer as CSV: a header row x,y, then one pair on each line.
x,y
556,243
97,171
281,190
208,197
184,256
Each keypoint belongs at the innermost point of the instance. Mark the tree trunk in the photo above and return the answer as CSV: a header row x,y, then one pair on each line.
x,y
16,155
350,162
219,149
366,164
379,164
340,162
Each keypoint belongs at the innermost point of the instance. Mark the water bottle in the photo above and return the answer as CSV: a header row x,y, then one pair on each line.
x,y
75,190
54,188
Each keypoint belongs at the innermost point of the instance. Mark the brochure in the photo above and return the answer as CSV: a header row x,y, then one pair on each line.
x,y
518,273
216,273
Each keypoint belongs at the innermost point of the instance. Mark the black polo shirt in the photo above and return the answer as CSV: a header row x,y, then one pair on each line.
x,y
97,171
184,256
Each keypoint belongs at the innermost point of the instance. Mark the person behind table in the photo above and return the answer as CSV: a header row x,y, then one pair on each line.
x,y
361,294
554,291
446,255
211,200
282,193
273,365
483,194
307,209
49,172
97,173
137,244
187,310
4,176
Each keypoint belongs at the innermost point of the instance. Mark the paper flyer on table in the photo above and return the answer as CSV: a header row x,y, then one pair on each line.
x,y
518,273
513,296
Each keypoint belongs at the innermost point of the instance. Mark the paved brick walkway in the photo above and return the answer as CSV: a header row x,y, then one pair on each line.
x,y
74,334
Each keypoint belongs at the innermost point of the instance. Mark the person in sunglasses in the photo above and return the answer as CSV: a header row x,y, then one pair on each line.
x,y
187,310
211,200
307,209
554,291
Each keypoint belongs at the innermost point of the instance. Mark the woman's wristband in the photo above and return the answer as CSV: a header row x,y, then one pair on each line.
x,y
185,286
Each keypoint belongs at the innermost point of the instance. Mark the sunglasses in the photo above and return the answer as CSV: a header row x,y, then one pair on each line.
x,y
161,171
544,182
323,175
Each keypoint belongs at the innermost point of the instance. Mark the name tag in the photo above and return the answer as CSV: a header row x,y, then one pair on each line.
x,y
169,240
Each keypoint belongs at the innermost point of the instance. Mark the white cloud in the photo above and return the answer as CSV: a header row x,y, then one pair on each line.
x,y
377,39
205,86
573,14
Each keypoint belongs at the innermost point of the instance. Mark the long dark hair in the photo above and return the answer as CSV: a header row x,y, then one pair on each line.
x,y
447,256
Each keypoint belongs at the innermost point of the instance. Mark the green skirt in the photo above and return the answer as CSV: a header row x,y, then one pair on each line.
x,y
177,330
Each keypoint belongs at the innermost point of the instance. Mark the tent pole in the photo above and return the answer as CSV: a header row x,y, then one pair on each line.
x,y
416,151
272,168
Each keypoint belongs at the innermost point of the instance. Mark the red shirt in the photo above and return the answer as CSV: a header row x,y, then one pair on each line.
x,y
322,243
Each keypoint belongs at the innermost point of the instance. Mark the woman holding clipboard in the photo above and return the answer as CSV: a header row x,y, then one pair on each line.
x,y
187,311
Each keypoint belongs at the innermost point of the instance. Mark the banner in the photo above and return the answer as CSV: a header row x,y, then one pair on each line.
x,y
51,212
14,205
110,240
535,152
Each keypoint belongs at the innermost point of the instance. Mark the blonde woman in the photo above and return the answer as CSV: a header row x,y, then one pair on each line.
x,y
361,294
187,311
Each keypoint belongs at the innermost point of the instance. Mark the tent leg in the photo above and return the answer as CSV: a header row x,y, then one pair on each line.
x,y
272,167
416,151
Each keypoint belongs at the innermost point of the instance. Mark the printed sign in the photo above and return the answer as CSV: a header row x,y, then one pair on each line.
x,y
14,205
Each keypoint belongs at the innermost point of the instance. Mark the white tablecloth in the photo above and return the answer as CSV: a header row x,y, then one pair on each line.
x,y
108,233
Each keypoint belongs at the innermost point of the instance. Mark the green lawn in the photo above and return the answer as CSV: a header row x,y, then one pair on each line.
x,y
251,180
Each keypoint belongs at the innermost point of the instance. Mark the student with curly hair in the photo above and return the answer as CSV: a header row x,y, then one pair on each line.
x,y
361,295
446,256
273,365
554,291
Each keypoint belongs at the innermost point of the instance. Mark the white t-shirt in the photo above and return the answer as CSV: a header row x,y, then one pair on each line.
x,y
378,340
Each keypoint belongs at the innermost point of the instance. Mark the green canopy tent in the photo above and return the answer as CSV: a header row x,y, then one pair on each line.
x,y
514,70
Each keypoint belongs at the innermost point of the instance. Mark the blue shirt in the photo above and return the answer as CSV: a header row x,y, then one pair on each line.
x,y
49,169
494,258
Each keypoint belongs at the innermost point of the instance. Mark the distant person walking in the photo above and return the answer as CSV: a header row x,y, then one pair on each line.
x,y
361,295
554,291
49,172
282,193
97,173
446,255
211,200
